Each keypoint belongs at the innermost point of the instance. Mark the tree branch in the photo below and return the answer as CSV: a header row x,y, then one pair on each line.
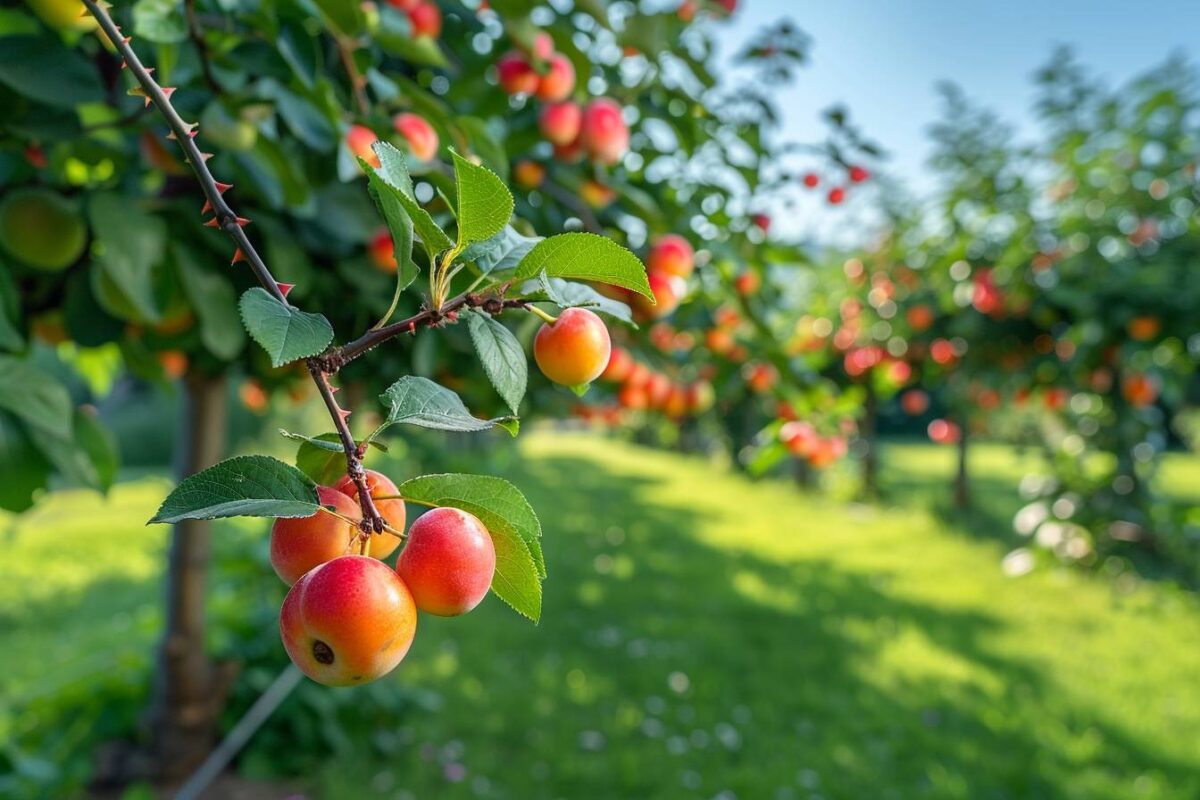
x,y
234,227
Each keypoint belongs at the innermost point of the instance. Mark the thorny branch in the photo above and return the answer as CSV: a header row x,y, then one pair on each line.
x,y
319,367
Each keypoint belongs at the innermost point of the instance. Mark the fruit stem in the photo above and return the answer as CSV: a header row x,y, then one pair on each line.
x,y
537,312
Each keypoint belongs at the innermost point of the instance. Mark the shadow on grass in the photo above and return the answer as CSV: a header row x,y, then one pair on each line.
x,y
668,668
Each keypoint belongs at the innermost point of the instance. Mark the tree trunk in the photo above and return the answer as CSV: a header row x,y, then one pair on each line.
x,y
962,486
189,689
870,458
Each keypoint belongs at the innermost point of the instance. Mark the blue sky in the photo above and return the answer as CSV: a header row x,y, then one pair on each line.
x,y
882,58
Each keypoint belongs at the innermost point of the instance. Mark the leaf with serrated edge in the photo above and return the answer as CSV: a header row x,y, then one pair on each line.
x,y
484,203
400,226
286,333
503,251
326,441
510,520
502,356
420,401
569,294
244,486
588,257
393,169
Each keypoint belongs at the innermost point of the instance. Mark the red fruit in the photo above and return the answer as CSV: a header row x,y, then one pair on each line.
x,y
421,137
516,74
943,431
858,174
676,405
574,350
639,375
404,5
604,134
985,296
393,511
915,402
1143,329
800,438
560,122
728,6
747,283
762,222
299,544
348,621
658,389
426,20
359,139
671,255
761,377
812,180
719,341
727,317
382,251
1140,390
633,397
836,195
919,317
942,352
447,562
620,365
596,194
528,174
543,46
825,451
686,10
668,290
559,80
1055,399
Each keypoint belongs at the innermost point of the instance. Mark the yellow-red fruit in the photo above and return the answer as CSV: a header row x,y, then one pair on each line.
x,y
620,365
575,349
559,80
560,122
658,389
359,139
447,562
596,194
528,174
676,404
516,74
747,283
700,397
421,137
633,397
672,255
382,251
604,134
667,290
426,20
761,377
298,545
348,621
393,511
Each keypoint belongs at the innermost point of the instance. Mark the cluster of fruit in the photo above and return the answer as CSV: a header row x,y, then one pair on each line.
x,y
349,618
645,389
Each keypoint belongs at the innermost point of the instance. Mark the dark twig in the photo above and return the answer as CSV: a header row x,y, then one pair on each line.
x,y
234,226
196,35
319,367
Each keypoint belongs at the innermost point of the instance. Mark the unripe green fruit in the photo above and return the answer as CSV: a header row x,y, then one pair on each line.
x,y
42,229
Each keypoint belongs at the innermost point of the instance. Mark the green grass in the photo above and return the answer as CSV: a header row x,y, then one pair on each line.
x,y
704,634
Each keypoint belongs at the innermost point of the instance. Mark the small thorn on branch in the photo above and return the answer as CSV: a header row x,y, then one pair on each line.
x,y
221,187
207,208
238,255
284,288
241,221
213,223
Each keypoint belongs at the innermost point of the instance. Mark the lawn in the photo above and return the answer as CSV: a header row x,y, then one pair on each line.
x,y
705,636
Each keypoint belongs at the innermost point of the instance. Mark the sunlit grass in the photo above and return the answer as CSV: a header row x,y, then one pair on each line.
x,y
703,634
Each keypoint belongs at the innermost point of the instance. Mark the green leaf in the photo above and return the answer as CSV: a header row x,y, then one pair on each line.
x,y
129,245
23,469
502,356
503,251
214,300
286,333
568,294
514,527
10,337
245,486
320,458
100,447
35,397
586,256
420,401
400,225
159,21
393,169
41,68
484,203
343,15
